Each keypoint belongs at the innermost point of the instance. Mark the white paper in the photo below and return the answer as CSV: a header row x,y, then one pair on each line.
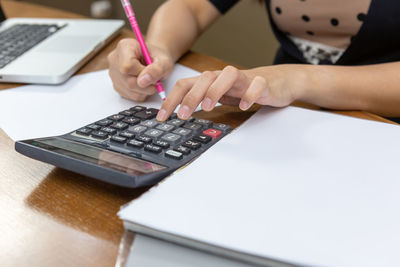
x,y
151,252
296,185
34,111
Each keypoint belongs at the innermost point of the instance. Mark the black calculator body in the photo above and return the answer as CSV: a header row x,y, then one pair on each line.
x,y
129,149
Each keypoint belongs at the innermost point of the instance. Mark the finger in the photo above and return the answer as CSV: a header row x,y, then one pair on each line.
x,y
229,77
150,74
196,94
120,87
175,97
254,92
128,57
159,69
131,85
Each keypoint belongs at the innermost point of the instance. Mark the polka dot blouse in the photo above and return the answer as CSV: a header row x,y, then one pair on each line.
x,y
321,29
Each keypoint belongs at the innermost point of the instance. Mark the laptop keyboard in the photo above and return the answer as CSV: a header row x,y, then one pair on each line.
x,y
19,38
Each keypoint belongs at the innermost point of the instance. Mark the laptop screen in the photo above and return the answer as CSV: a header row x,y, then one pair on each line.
x,y
2,16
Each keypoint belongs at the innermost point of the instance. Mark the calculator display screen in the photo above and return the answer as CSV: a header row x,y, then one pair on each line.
x,y
116,161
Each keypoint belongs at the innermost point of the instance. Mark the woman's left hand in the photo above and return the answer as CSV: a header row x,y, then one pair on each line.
x,y
276,86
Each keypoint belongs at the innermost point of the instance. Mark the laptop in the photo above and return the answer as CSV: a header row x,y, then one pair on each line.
x,y
49,51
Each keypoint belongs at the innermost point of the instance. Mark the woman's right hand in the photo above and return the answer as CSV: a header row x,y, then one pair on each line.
x,y
131,78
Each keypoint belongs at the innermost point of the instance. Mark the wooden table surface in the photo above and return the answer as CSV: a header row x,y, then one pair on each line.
x,y
54,217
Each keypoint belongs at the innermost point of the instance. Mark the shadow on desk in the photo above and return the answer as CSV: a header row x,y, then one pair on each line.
x,y
83,203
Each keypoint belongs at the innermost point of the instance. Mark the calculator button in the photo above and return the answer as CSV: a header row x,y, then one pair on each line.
x,y
152,148
127,134
137,108
116,117
173,116
149,123
104,122
203,122
84,131
109,130
196,128
190,119
127,112
162,144
202,138
154,133
143,139
99,135
182,131
192,144
165,127
135,143
118,139
212,133
173,154
119,125
131,121
137,129
222,127
94,127
176,122
171,138
183,150
147,114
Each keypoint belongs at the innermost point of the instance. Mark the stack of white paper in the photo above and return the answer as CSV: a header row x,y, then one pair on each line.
x,y
291,185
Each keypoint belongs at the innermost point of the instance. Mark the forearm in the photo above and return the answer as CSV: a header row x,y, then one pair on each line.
x,y
177,23
373,88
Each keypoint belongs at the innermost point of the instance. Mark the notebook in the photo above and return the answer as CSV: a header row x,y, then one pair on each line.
x,y
289,187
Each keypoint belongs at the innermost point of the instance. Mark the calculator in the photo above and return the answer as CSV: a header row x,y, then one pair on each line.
x,y
129,149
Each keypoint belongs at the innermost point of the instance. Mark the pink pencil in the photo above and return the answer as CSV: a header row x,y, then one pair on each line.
x,y
135,27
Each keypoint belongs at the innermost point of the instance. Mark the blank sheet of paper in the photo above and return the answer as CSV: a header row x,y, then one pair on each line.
x,y
294,185
34,111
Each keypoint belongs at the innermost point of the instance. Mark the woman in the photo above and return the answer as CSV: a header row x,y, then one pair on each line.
x,y
334,54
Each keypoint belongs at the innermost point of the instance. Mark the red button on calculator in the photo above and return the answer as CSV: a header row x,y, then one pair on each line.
x,y
212,132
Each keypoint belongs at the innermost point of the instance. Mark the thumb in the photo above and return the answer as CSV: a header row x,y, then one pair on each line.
x,y
152,73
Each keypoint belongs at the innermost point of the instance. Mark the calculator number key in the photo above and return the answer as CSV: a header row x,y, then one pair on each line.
x,y
171,138
138,129
212,133
154,133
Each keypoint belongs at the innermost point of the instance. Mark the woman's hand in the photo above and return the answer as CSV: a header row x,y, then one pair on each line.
x,y
276,86
131,78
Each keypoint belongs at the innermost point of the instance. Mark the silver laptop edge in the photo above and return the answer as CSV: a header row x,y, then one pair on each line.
x,y
56,58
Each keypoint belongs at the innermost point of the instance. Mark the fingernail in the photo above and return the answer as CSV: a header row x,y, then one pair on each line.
x,y
162,115
207,103
184,112
243,105
145,80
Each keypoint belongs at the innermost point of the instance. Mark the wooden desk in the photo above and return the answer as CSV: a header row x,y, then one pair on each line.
x,y
53,217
